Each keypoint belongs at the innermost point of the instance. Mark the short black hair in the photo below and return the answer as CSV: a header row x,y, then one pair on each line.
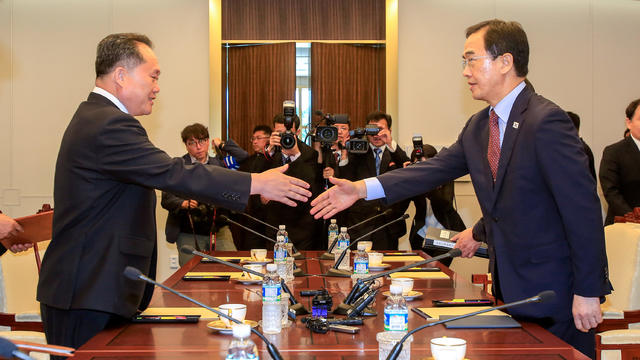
x,y
505,37
631,109
196,131
279,119
119,49
376,116
428,150
264,128
575,119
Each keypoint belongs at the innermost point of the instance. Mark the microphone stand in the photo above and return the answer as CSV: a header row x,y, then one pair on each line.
x,y
363,284
334,271
296,254
329,255
135,274
548,295
258,221
296,307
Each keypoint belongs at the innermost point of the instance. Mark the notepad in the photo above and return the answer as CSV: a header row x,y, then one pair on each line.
x,y
482,322
161,311
233,275
420,275
434,313
396,258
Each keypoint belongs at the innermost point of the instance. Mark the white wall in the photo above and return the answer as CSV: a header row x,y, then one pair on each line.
x,y
47,49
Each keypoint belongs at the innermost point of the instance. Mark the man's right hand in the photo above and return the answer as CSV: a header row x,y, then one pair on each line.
x,y
274,185
338,197
9,227
466,243
189,204
274,140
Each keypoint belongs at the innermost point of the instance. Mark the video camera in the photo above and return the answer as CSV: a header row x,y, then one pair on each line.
x,y
417,146
327,134
288,138
358,144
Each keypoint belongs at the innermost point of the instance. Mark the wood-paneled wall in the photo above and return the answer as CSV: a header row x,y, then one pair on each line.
x,y
303,19
348,79
260,78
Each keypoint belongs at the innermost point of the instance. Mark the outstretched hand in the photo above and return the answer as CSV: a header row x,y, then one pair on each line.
x,y
275,185
338,197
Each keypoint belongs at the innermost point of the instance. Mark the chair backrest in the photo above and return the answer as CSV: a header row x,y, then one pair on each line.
x,y
623,252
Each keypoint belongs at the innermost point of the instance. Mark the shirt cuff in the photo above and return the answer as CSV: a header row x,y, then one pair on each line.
x,y
343,162
374,189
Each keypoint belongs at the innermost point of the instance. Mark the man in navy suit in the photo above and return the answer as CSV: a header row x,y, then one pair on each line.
x,y
541,214
106,173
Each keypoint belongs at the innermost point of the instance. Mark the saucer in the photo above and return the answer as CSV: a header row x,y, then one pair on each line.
x,y
222,328
379,267
410,296
247,281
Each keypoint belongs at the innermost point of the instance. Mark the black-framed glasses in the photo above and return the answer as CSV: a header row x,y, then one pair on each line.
x,y
200,142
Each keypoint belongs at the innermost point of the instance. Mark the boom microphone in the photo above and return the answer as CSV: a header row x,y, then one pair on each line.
x,y
296,254
9,350
545,296
334,271
258,220
135,274
295,306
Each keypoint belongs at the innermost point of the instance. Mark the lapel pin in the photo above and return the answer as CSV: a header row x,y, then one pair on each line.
x,y
516,124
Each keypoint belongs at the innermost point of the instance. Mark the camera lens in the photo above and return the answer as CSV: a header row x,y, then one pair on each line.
x,y
288,140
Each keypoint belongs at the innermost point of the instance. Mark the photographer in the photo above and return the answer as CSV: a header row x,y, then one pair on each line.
x,y
433,209
304,231
338,149
383,155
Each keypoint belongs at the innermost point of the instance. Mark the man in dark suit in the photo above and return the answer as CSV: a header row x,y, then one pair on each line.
x,y
190,222
620,168
304,231
106,173
541,213
435,208
383,155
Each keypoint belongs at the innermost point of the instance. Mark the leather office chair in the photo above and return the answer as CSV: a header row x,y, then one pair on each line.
x,y
619,333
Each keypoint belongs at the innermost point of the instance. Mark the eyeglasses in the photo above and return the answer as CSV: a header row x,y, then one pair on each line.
x,y
254,138
469,62
200,142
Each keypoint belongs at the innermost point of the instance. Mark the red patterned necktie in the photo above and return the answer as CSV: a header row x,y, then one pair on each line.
x,y
493,153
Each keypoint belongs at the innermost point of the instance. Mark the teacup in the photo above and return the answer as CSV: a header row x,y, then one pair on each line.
x,y
258,254
375,259
367,245
406,283
446,348
255,267
236,311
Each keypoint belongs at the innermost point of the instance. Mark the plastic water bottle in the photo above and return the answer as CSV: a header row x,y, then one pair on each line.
x,y
396,312
342,244
360,263
282,231
333,232
280,256
271,311
241,347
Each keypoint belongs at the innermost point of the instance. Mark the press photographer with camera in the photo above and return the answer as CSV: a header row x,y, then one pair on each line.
x,y
372,155
286,148
329,140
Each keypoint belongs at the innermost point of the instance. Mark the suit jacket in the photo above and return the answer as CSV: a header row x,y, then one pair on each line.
x,y
106,173
620,177
441,200
362,166
178,217
304,231
542,217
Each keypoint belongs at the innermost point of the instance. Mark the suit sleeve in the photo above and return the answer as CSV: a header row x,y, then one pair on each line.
x,y
126,155
236,151
560,157
611,183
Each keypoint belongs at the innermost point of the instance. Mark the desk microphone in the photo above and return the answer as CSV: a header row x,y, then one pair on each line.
x,y
9,350
334,271
295,306
545,296
296,254
363,284
135,274
329,255
258,220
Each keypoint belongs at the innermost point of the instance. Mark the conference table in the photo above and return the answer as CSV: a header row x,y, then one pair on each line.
x,y
197,341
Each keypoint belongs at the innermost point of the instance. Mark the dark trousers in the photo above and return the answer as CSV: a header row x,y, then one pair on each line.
x,y
73,327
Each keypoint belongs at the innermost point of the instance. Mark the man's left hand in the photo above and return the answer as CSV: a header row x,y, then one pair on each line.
x,y
466,243
586,312
385,135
